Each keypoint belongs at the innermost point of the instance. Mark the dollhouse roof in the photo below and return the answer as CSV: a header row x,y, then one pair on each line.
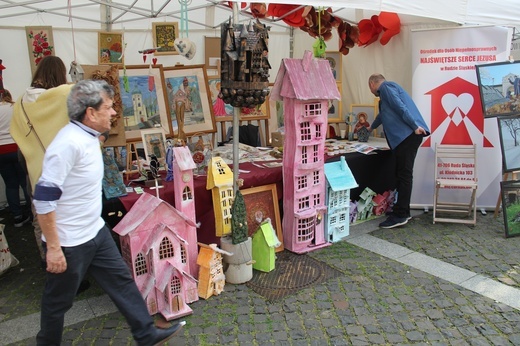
x,y
305,79
144,208
165,276
147,285
183,158
152,238
218,177
339,176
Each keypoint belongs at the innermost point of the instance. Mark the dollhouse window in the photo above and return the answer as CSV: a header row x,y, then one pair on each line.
x,y
316,177
342,217
304,155
312,109
305,131
186,194
175,285
301,182
343,197
303,203
318,131
150,261
315,154
333,219
305,229
341,228
166,249
184,256
316,199
220,169
140,265
223,194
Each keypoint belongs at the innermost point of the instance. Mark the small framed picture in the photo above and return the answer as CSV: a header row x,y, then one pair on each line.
x,y
508,128
363,109
511,207
335,61
110,48
261,203
154,143
334,112
164,35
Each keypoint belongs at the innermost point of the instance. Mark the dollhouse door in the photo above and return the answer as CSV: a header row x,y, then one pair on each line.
x,y
177,303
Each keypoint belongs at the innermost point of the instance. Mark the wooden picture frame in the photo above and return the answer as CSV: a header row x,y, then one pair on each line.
x,y
164,35
220,109
110,48
40,43
335,59
258,112
262,202
368,109
198,110
334,112
509,128
139,101
154,143
511,206
212,52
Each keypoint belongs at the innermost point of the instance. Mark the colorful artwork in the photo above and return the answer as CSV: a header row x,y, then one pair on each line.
x,y
110,48
164,34
220,108
40,43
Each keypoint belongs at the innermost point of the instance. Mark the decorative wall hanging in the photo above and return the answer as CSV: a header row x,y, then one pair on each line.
x,y
40,44
183,44
190,84
245,67
144,104
110,48
164,34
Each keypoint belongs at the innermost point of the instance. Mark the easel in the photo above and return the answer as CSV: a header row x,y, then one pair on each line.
x,y
499,201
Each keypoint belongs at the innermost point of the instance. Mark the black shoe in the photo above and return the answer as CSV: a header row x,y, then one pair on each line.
x,y
83,286
393,221
21,220
163,335
391,213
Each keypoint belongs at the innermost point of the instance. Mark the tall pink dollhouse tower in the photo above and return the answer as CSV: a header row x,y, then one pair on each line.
x,y
305,86
183,166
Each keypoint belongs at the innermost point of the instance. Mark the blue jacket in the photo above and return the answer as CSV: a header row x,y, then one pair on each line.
x,y
398,114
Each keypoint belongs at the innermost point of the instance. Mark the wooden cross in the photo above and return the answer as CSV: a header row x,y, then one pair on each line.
x,y
156,188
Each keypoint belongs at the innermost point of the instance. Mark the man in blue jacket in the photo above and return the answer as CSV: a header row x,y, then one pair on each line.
x,y
404,129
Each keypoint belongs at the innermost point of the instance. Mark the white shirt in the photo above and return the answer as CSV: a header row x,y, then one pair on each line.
x,y
73,163
6,113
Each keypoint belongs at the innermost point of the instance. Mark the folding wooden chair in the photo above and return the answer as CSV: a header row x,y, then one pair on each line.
x,y
455,174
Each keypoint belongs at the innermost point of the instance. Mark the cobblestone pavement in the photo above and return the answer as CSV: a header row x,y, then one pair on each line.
x,y
377,301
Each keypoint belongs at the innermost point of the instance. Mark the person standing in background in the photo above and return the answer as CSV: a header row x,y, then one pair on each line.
x,y
10,169
405,129
68,202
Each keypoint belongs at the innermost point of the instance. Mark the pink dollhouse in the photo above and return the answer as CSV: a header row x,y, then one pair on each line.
x,y
220,182
153,244
183,166
305,86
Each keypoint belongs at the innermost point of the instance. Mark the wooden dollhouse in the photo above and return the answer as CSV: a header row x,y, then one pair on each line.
x,y
305,86
265,242
340,181
153,244
220,181
211,270
183,166
365,204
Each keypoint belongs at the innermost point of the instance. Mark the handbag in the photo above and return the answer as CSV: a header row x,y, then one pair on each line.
x,y
7,259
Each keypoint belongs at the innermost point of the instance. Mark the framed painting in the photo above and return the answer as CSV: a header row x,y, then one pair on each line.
x,y
499,86
261,203
212,52
143,100
335,61
154,143
164,34
220,109
40,44
511,207
258,112
110,48
334,112
189,84
365,109
509,130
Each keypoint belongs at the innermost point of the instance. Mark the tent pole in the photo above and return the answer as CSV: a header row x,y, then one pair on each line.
x,y
236,118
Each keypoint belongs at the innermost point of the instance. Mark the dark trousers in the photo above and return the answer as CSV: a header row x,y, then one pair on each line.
x,y
405,154
14,178
101,259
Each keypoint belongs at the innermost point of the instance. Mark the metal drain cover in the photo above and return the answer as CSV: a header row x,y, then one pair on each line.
x,y
292,272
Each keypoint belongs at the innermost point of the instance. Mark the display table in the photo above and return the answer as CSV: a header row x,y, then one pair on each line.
x,y
375,170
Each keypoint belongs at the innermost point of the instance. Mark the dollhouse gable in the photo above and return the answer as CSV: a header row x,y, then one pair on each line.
x,y
305,79
183,158
211,272
339,176
219,174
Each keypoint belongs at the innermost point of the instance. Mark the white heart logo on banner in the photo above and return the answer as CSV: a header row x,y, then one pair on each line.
x,y
457,105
